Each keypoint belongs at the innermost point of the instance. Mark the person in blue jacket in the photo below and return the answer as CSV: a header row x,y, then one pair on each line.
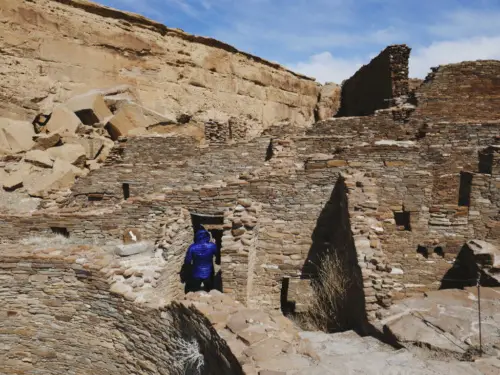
x,y
200,257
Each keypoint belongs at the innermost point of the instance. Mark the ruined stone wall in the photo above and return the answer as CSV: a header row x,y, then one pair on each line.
x,y
42,298
377,84
157,164
404,187
468,91
418,176
54,49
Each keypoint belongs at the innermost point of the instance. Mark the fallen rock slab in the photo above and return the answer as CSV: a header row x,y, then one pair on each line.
x,y
90,108
39,158
16,179
134,248
63,120
93,146
72,153
45,141
13,182
412,330
61,177
17,134
133,117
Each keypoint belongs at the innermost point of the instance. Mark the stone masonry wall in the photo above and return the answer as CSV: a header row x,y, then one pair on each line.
x,y
468,91
416,191
418,176
377,84
55,49
44,295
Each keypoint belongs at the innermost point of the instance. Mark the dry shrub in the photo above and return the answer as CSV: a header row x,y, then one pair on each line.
x,y
188,358
329,303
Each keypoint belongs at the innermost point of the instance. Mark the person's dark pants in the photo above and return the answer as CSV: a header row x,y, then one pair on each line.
x,y
195,284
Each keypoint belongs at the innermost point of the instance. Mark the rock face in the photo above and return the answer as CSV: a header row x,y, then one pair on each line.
x,y
174,72
269,343
329,101
446,321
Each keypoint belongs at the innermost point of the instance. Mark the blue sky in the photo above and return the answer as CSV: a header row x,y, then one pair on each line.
x,y
331,39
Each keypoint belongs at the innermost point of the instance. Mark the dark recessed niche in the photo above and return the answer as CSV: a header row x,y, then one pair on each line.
x,y
402,219
439,251
465,189
60,231
126,191
422,250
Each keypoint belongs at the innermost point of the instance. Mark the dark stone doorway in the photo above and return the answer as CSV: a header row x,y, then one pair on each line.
x,y
214,225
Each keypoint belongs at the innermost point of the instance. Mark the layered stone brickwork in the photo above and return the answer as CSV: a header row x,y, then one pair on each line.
x,y
457,92
394,194
59,314
378,84
54,49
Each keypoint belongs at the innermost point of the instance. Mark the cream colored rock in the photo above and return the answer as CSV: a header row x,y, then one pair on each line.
x,y
72,153
17,135
4,144
92,145
61,166
62,176
329,101
39,158
72,49
132,117
90,108
127,118
13,181
45,141
16,178
62,121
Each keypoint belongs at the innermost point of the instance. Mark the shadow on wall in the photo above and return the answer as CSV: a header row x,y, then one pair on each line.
x,y
464,272
193,327
333,242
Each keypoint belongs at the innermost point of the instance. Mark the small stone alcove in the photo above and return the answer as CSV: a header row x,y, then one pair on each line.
x,y
60,231
402,219
465,190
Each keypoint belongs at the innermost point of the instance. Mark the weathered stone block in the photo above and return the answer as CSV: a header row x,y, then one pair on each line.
x,y
63,121
72,153
90,108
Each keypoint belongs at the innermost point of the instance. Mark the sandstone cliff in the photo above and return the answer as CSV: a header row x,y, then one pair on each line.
x,y
54,49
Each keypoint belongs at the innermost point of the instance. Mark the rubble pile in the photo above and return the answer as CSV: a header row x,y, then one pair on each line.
x,y
44,158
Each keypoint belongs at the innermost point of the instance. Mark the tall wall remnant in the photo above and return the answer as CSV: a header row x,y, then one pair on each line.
x,y
378,84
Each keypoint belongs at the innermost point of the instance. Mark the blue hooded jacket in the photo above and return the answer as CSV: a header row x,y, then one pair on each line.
x,y
201,254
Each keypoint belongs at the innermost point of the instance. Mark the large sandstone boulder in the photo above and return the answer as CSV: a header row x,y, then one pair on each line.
x,y
39,158
90,108
93,145
329,101
445,321
131,117
17,136
62,177
72,153
62,120
16,178
45,141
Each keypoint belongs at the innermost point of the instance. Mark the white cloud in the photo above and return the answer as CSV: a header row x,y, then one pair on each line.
x,y
447,52
466,23
326,68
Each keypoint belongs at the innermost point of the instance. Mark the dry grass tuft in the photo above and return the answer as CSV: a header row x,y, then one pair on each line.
x,y
327,310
